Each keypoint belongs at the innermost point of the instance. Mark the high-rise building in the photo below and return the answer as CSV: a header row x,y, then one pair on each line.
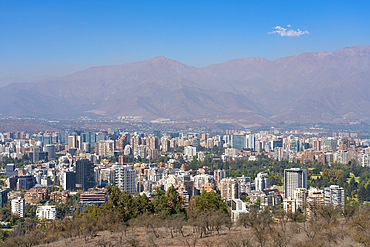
x,y
218,176
86,147
294,146
229,189
250,141
294,178
92,139
26,182
238,141
105,148
127,150
276,143
258,146
364,160
18,206
331,143
157,133
261,182
50,149
190,151
121,142
278,153
47,140
125,178
10,170
84,174
165,145
68,180
289,205
334,195
135,141
36,153
153,153
140,151
341,157
316,145
78,142
101,137
39,138
204,136
3,198
153,143
71,141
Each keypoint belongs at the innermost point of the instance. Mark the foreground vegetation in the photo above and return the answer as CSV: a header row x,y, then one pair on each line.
x,y
126,220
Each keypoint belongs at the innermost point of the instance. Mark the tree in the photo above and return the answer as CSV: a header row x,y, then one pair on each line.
x,y
169,202
210,201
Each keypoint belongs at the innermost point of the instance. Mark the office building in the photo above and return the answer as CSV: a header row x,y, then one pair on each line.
x,y
331,144
36,153
294,146
86,147
250,141
68,180
71,141
3,198
238,141
277,143
10,170
50,150
294,178
47,140
157,133
26,182
85,177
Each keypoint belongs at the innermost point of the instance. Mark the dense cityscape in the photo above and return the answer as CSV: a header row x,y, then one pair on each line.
x,y
48,176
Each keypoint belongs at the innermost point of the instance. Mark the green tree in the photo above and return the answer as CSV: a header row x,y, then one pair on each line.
x,y
210,200
168,202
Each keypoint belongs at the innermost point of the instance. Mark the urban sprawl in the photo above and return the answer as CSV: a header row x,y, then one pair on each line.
x,y
86,162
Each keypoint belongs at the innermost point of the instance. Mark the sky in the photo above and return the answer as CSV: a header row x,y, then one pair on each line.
x,y
56,38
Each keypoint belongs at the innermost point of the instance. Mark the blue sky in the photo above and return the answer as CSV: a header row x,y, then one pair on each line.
x,y
45,38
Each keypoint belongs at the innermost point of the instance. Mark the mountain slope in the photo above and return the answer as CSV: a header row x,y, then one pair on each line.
x,y
310,87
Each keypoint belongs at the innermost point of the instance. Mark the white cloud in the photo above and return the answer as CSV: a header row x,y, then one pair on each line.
x,y
285,32
289,25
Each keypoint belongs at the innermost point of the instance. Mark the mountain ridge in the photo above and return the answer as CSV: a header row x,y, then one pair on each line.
x,y
309,87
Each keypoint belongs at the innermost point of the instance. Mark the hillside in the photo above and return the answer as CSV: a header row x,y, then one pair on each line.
x,y
310,87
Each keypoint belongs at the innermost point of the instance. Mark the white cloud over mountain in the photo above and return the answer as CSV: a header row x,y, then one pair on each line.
x,y
285,32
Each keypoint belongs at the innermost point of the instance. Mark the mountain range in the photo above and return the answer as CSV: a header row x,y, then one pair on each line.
x,y
310,87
